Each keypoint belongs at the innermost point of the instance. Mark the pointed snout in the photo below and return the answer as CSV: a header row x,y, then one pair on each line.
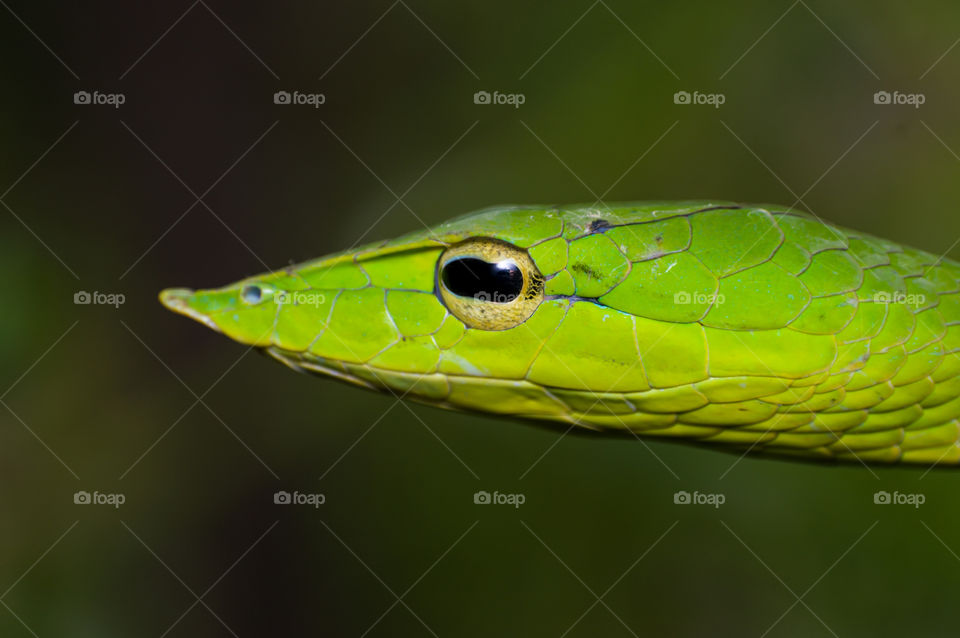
x,y
178,300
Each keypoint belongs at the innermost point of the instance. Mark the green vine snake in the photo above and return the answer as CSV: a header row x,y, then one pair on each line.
x,y
746,327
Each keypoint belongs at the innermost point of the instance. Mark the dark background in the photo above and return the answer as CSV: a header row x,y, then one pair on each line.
x,y
98,398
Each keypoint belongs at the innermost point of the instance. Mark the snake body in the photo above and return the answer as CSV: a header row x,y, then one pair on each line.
x,y
749,327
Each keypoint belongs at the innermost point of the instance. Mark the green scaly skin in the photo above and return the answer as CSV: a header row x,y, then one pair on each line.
x,y
751,327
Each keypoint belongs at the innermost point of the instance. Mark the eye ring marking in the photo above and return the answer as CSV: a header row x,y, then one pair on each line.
x,y
489,284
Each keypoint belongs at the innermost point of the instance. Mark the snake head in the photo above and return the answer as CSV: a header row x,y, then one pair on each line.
x,y
503,311
464,303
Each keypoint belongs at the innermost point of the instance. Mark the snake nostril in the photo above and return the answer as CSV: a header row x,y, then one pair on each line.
x,y
251,294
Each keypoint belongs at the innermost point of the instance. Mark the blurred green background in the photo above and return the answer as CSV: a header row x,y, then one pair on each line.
x,y
103,399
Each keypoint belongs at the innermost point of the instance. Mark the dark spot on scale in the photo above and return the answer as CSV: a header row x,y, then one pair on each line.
x,y
586,270
598,226
658,239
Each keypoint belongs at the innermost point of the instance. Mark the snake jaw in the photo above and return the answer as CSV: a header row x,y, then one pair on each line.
x,y
177,300
321,367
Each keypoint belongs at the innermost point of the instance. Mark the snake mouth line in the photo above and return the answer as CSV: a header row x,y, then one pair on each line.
x,y
176,299
320,366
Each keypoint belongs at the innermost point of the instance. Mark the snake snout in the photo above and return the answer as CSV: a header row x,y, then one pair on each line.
x,y
178,300
175,298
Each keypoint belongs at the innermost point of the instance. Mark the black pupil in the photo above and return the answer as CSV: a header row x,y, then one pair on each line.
x,y
478,279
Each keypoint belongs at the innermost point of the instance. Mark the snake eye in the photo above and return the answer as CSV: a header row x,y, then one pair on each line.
x,y
471,277
489,284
